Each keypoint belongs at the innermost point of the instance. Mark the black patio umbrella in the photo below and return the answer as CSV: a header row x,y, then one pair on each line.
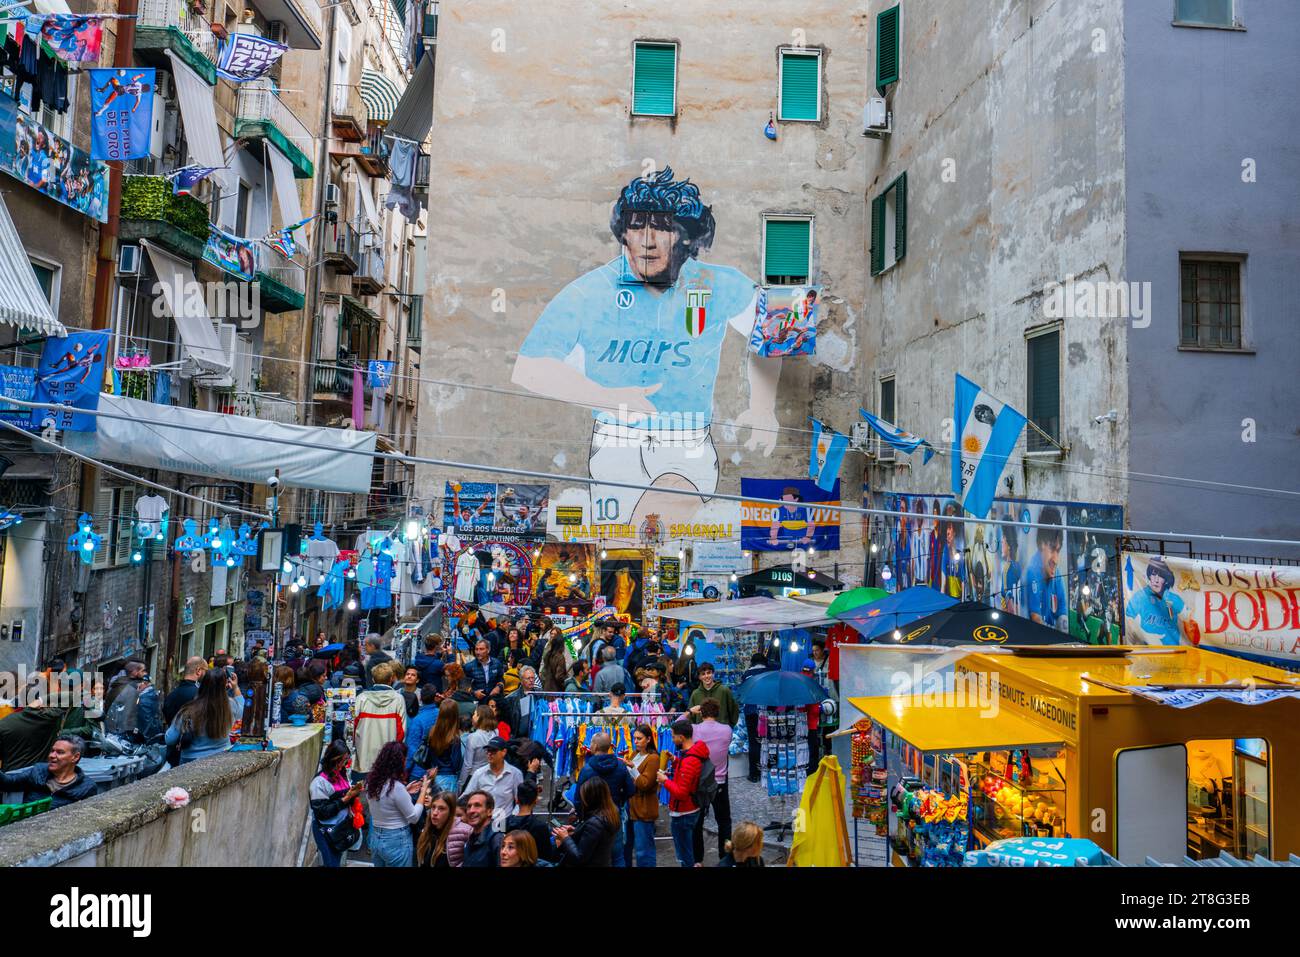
x,y
974,623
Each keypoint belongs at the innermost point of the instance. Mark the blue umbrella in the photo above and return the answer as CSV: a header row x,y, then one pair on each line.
x,y
337,646
902,608
780,689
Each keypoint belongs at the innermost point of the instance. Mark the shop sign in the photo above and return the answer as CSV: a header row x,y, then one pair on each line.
x,y
698,532
50,164
568,515
17,382
576,533
670,574
1251,611
1053,711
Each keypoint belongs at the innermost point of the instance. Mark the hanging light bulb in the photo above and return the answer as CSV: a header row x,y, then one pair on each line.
x,y
996,616
573,578
603,554
654,579
874,548
88,545
577,644
733,576
294,588
136,556
1086,591
352,573
230,561
159,537
412,529
688,650
302,581
794,645
352,604
811,550
681,553
898,635
287,567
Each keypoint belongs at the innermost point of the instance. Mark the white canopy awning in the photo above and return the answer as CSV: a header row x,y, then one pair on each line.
x,y
199,112
22,301
185,300
286,187
751,614
244,450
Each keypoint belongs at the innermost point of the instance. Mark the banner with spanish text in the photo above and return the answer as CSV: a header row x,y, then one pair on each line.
x,y
798,523
1252,611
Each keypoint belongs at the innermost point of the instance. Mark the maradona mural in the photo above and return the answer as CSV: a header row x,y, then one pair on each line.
x,y
639,340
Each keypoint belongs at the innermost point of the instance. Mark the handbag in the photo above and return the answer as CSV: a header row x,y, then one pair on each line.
x,y
343,836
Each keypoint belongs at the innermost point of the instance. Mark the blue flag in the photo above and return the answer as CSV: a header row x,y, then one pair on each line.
x,y
380,373
121,113
185,179
828,448
246,56
989,432
71,373
898,438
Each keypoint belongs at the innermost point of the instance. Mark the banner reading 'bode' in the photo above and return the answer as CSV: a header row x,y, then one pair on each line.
x,y
1252,611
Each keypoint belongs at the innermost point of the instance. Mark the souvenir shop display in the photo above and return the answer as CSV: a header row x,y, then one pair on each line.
x,y
868,775
784,732
732,651
340,705
933,829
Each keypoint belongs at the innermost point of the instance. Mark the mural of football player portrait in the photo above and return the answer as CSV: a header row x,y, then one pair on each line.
x,y
639,340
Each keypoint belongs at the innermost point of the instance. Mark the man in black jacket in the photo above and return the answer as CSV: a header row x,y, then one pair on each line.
x,y
58,778
483,849
374,655
605,764
184,692
431,662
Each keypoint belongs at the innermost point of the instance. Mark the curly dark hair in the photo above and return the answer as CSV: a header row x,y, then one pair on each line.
x,y
389,767
658,192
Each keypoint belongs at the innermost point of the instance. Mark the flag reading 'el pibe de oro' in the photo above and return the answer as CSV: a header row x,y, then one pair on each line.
x,y
989,432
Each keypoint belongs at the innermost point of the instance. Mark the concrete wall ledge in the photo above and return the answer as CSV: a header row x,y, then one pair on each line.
x,y
246,808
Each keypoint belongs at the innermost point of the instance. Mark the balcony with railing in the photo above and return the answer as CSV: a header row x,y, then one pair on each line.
x,y
300,19
333,381
349,119
149,210
343,248
368,280
282,283
415,323
260,113
164,25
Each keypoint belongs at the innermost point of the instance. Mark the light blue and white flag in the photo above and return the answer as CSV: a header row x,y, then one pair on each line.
x,y
989,432
898,438
828,448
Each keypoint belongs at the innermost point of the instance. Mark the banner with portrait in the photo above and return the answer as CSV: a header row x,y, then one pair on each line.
x,y
233,254
1252,611
797,523
50,164
785,323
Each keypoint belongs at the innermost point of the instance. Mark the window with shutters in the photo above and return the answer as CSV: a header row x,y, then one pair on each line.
x,y
123,526
104,522
114,515
1210,302
889,33
888,409
654,79
1043,402
1206,13
889,226
799,86
787,250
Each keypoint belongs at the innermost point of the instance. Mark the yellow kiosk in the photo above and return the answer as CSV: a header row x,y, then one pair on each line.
x,y
1150,752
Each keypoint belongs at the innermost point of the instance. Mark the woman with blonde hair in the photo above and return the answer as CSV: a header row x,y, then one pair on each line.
x,y
745,849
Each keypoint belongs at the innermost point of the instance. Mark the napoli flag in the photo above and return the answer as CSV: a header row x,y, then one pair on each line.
x,y
121,113
828,448
989,432
71,373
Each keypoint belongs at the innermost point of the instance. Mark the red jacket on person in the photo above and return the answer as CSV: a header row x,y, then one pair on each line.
x,y
686,778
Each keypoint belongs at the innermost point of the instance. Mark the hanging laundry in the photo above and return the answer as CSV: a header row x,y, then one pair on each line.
x,y
151,517
332,586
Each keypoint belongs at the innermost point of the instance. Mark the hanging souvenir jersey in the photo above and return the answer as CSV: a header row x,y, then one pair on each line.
x,y
151,517
332,585
377,593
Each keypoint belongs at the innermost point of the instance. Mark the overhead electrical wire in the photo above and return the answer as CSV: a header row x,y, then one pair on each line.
x,y
638,486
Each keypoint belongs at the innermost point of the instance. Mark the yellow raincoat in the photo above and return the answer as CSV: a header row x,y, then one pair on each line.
x,y
821,837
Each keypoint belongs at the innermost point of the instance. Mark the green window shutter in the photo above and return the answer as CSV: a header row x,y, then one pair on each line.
x,y
887,48
786,248
1044,388
654,82
900,217
799,75
878,234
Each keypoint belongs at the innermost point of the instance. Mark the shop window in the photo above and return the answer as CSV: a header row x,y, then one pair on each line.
x,y
787,251
1211,303
800,86
1227,798
1206,13
654,79
1044,389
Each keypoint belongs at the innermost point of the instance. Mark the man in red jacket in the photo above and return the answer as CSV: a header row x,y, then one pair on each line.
x,y
685,779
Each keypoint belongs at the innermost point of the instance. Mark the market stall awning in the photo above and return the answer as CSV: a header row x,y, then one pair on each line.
x,y
380,94
199,339
413,115
751,614
22,301
242,449
942,728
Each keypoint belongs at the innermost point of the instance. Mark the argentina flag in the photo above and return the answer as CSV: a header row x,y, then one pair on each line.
x,y
828,448
989,432
898,438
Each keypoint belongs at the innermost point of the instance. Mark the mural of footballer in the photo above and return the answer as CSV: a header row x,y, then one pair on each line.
x,y
637,340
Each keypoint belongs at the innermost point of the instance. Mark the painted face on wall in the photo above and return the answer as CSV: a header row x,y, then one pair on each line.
x,y
652,244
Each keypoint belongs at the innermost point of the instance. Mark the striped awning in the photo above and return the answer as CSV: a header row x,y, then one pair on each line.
x,y
22,301
380,94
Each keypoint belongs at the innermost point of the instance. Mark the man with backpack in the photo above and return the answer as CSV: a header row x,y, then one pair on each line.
x,y
132,706
692,785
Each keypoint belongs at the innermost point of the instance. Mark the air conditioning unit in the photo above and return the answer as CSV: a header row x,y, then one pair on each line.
x,y
332,194
276,31
877,120
860,438
128,260
228,336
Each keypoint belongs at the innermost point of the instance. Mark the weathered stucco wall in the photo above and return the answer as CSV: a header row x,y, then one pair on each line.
x,y
532,141
1200,104
1010,128
228,822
